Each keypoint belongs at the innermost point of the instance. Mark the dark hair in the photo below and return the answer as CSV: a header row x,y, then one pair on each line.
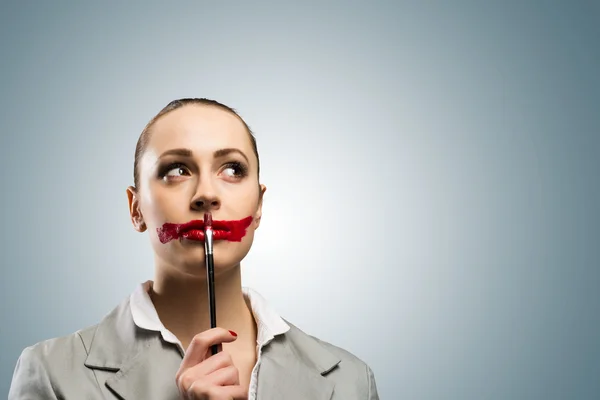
x,y
142,142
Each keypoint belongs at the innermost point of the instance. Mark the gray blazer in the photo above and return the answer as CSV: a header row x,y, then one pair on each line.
x,y
116,360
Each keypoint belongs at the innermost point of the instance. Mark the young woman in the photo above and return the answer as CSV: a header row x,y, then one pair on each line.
x,y
195,156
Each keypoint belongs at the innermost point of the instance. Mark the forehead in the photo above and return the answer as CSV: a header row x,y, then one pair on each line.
x,y
201,128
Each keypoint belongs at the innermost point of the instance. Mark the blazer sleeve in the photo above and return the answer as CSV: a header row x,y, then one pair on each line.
x,y
30,379
373,395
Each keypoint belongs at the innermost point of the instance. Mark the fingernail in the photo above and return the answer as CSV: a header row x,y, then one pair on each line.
x,y
233,333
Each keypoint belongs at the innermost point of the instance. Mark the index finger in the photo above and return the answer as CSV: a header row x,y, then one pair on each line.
x,y
198,348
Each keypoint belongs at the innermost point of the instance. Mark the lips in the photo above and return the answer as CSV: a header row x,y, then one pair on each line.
x,y
198,234
230,230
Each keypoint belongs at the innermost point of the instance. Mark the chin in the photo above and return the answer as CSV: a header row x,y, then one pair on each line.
x,y
190,257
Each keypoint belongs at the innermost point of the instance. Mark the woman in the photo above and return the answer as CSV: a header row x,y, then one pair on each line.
x,y
195,156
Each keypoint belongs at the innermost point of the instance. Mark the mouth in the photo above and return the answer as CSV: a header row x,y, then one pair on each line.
x,y
230,230
199,235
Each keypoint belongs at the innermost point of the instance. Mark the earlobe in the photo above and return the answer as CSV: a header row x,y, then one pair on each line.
x,y
258,214
137,218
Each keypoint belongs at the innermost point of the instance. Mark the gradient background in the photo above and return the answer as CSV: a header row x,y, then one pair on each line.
x,y
451,149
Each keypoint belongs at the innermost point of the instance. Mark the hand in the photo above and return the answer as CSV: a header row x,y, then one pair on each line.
x,y
203,376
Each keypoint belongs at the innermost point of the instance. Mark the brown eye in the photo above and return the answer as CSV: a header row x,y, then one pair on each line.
x,y
174,170
234,170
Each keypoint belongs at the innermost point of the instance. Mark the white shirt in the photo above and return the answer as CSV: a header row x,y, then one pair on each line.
x,y
268,323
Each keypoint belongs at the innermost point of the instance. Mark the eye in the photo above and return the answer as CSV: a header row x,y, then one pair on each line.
x,y
174,170
235,170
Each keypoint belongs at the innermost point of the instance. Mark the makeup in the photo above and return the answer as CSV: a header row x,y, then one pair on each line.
x,y
210,273
230,230
207,231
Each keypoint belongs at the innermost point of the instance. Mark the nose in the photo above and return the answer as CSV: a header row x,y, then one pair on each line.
x,y
206,199
206,203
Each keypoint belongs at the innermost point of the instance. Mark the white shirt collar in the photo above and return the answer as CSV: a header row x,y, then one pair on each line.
x,y
269,324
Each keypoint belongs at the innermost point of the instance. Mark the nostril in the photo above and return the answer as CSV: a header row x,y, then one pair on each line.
x,y
204,203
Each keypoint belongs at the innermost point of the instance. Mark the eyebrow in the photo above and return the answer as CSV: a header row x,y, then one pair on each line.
x,y
177,152
217,154
225,152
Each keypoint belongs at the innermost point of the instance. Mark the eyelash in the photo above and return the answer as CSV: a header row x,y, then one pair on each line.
x,y
163,171
241,168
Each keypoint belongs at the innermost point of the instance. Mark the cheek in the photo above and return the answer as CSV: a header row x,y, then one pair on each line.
x,y
154,205
248,199
243,248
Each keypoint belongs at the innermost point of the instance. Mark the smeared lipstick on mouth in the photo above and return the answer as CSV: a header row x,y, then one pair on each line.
x,y
232,231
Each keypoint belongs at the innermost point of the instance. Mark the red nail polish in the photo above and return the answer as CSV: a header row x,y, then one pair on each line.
x,y
233,333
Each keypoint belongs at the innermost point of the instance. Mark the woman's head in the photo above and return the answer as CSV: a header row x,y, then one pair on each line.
x,y
196,155
175,104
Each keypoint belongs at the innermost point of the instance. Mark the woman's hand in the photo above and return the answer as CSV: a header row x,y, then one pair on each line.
x,y
203,376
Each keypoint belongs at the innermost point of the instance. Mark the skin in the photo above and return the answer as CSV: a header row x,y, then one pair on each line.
x,y
202,183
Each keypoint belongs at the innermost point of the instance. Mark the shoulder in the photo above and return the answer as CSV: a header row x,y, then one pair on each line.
x,y
56,348
42,367
75,347
351,374
57,366
307,342
60,350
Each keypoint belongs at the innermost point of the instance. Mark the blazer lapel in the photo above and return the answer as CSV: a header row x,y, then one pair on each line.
x,y
293,367
150,374
132,363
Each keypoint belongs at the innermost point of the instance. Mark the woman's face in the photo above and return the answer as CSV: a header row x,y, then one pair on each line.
x,y
199,158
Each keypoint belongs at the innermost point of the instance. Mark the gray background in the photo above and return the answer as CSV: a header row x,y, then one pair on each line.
x,y
432,172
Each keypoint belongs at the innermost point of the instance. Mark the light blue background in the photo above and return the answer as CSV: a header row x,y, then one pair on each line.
x,y
450,150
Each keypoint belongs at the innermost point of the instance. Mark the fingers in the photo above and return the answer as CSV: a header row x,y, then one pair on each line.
x,y
227,376
202,391
216,370
211,364
200,345
204,376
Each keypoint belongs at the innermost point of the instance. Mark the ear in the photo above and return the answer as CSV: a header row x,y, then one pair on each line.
x,y
258,215
137,219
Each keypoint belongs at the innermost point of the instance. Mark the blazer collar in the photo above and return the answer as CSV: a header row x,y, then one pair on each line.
x,y
294,366
140,364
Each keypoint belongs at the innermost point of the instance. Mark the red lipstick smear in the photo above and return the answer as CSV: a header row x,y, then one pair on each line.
x,y
232,231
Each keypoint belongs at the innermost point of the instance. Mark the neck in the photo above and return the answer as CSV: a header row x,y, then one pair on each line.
x,y
182,305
